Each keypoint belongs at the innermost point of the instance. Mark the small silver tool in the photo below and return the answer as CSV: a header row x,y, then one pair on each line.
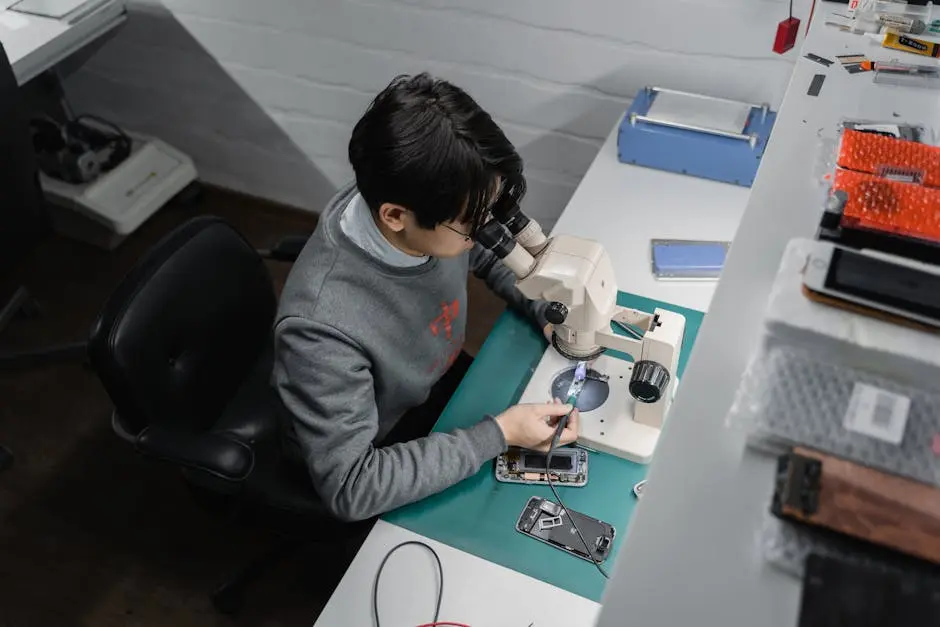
x,y
577,383
638,488
574,391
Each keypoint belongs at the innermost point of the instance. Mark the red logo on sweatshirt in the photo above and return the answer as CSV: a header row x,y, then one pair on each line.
x,y
443,324
449,313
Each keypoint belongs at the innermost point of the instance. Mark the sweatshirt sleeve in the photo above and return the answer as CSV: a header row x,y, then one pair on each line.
x,y
325,383
486,265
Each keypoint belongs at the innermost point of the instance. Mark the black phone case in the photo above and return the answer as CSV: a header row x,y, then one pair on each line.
x,y
598,535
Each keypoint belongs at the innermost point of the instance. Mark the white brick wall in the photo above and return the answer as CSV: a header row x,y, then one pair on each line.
x,y
264,93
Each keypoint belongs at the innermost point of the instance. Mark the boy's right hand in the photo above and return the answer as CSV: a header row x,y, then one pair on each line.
x,y
532,426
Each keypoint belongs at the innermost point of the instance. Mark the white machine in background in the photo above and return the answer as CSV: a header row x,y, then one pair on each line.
x,y
624,413
107,209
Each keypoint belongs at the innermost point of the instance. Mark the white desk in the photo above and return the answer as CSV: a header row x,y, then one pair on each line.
x,y
623,207
693,555
35,44
476,592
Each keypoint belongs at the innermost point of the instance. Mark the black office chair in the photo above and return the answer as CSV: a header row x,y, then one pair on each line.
x,y
184,350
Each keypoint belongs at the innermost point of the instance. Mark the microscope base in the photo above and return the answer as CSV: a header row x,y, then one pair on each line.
x,y
610,427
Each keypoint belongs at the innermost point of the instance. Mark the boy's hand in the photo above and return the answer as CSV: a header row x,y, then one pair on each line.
x,y
532,426
548,330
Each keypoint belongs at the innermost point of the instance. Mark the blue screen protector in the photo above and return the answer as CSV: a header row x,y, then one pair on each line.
x,y
680,259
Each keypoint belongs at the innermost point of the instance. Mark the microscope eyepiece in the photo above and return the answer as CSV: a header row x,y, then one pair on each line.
x,y
512,218
520,227
496,237
506,206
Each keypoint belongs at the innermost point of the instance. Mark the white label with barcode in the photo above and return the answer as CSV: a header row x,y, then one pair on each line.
x,y
877,413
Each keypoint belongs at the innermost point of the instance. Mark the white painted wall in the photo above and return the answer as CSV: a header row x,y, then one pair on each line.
x,y
264,93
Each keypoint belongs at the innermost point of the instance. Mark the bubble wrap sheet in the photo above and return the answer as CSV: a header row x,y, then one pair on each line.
x,y
789,397
799,382
797,389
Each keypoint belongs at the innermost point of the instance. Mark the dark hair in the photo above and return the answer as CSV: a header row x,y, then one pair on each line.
x,y
426,145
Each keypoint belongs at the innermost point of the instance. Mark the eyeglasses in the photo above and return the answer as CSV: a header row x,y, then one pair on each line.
x,y
465,236
504,195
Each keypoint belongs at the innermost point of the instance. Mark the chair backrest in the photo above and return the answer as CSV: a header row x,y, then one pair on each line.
x,y
183,329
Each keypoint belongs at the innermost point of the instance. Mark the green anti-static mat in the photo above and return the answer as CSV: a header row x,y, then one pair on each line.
x,y
478,515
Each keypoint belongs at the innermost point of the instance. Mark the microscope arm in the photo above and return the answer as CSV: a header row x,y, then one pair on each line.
x,y
625,344
622,343
576,276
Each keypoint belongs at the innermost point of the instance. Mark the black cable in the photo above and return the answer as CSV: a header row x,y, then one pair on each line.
x,y
378,574
548,474
117,140
100,120
791,9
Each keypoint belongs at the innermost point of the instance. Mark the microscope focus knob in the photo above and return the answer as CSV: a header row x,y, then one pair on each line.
x,y
556,313
649,381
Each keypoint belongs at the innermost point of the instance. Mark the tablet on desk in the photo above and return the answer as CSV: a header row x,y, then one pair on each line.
x,y
70,11
11,20
687,260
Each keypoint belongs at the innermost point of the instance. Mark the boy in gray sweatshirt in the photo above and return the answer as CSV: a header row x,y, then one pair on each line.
x,y
374,310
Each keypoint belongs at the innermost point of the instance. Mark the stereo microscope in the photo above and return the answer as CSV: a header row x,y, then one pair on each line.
x,y
624,404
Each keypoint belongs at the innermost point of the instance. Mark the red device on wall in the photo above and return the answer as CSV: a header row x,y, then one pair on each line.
x,y
786,34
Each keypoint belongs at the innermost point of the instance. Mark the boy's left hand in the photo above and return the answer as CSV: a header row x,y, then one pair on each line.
x,y
548,330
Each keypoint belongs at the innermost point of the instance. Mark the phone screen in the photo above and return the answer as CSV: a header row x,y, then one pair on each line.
x,y
883,282
537,461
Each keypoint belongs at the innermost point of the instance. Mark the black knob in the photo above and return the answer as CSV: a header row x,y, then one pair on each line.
x,y
556,313
649,381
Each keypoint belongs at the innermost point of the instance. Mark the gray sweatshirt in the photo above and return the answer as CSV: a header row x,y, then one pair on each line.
x,y
359,342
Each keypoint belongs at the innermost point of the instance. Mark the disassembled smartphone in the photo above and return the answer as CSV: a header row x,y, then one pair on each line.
x,y
569,467
685,260
548,522
872,285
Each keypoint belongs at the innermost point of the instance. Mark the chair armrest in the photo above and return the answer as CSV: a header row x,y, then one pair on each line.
x,y
287,248
216,454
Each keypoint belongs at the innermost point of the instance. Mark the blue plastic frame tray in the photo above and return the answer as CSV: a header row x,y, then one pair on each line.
x,y
696,153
